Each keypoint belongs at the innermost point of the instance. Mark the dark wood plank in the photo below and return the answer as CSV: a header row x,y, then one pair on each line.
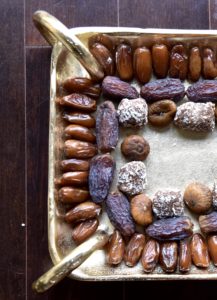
x,y
72,13
185,14
12,152
213,14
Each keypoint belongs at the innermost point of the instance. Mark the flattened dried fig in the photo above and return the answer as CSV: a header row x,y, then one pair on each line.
x,y
135,147
100,176
118,210
161,113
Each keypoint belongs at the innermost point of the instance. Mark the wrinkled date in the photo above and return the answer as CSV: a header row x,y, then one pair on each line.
x,y
134,249
208,223
81,212
113,87
150,256
72,195
142,64
168,256
209,68
100,176
79,132
73,178
116,247
79,149
103,39
170,229
199,251
160,57
104,58
84,230
184,256
78,101
124,62
107,128
212,246
82,85
195,64
161,89
178,62
74,164
79,118
203,91
118,210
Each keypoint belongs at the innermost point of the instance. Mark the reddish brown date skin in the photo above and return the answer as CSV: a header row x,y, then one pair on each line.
x,y
118,210
73,164
82,85
134,249
160,58
79,149
142,63
79,118
114,88
184,256
107,128
170,229
209,68
161,89
82,212
150,256
84,230
100,176
70,195
116,248
103,39
168,256
124,62
80,133
104,58
203,91
78,101
212,246
199,251
73,178
178,62
208,223
195,64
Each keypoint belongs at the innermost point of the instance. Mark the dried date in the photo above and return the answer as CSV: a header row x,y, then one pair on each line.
x,y
107,128
74,164
170,229
79,149
161,89
71,195
73,178
184,256
199,251
103,39
168,256
104,58
203,91
124,62
208,223
82,85
134,249
79,118
209,67
118,210
100,176
178,62
80,133
116,247
212,246
78,101
160,57
81,212
195,64
84,230
150,256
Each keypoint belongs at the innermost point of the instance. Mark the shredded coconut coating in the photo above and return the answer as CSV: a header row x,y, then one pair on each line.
x,y
214,196
196,116
168,204
132,178
133,112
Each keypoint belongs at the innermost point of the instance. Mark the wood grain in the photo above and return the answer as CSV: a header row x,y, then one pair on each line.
x,y
185,14
213,14
73,13
12,152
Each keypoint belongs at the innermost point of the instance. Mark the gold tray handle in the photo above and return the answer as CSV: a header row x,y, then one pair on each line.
x,y
71,261
53,31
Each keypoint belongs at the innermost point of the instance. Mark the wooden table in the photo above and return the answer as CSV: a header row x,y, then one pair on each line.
x,y
24,82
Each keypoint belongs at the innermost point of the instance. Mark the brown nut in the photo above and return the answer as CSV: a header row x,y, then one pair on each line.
x,y
209,67
74,164
79,132
79,149
84,230
135,147
142,64
208,223
79,118
184,256
72,195
104,58
195,64
178,62
150,256
103,39
82,85
141,209
116,247
160,58
73,178
198,197
78,101
81,212
161,113
134,249
199,251
168,256
124,62
212,246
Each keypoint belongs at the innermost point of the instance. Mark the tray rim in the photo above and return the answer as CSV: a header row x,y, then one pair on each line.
x,y
76,274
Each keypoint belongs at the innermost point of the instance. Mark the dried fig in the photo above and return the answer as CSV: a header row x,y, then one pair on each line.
x,y
161,113
141,209
135,147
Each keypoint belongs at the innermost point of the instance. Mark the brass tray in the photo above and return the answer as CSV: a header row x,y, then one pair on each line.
x,y
199,166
